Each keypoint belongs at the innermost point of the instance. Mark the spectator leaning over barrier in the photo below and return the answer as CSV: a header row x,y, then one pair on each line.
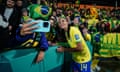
x,y
80,52
27,37
25,33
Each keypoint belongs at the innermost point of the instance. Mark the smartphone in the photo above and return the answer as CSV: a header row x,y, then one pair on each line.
x,y
43,26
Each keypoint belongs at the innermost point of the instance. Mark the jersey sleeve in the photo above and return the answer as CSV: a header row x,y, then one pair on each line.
x,y
43,42
20,38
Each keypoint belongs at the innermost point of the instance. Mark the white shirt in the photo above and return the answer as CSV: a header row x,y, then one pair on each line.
x,y
8,12
3,23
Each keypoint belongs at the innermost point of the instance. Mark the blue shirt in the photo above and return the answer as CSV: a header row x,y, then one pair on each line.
x,y
43,43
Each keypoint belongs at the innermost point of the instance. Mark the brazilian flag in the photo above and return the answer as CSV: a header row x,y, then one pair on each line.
x,y
39,11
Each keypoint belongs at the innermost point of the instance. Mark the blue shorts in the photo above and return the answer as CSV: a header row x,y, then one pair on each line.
x,y
83,67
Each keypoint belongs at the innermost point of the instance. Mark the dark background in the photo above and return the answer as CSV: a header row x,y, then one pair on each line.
x,y
97,2
91,2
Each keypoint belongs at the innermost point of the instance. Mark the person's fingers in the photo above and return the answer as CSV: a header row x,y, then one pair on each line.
x,y
29,25
30,29
39,59
58,49
33,23
23,33
26,33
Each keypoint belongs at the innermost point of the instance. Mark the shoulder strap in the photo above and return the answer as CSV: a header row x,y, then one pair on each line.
x,y
36,40
37,37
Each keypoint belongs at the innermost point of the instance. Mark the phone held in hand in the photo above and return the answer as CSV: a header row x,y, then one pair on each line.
x,y
42,26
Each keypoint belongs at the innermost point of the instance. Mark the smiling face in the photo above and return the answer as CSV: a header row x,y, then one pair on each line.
x,y
63,23
76,21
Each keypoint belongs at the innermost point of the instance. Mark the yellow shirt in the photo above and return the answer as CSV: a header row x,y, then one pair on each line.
x,y
76,36
88,37
92,21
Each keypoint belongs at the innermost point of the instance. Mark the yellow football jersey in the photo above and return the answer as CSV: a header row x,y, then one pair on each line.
x,y
92,21
87,37
74,37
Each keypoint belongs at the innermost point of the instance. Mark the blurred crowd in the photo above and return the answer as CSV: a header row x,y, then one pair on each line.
x,y
102,21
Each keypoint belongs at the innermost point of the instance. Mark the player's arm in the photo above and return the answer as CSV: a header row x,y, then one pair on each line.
x,y
79,48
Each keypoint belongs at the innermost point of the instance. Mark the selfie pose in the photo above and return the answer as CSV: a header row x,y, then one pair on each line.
x,y
80,52
31,33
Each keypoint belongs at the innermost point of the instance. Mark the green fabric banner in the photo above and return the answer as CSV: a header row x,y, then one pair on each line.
x,y
110,45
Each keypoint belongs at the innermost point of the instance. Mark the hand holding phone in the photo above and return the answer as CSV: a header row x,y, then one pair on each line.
x,y
42,26
27,29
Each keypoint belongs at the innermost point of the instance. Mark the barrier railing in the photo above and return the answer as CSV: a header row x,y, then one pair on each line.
x,y
22,60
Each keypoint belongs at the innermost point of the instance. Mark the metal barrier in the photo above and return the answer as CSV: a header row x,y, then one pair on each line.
x,y
22,60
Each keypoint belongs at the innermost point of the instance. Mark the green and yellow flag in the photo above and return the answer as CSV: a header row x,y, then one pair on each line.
x,y
39,11
110,45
